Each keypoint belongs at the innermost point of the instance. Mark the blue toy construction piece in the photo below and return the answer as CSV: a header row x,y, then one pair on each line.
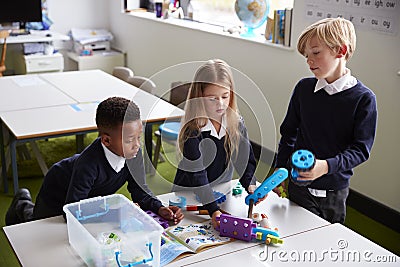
x,y
301,160
263,233
218,196
179,202
270,183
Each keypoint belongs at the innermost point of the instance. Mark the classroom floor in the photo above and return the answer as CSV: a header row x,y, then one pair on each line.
x,y
58,148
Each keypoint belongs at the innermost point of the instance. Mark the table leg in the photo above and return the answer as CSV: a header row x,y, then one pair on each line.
x,y
39,157
79,142
148,155
3,159
13,152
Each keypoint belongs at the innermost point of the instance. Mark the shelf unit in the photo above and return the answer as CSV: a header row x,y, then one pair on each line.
x,y
103,60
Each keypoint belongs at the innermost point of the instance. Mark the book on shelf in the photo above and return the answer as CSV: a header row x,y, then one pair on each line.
x,y
281,29
288,27
183,240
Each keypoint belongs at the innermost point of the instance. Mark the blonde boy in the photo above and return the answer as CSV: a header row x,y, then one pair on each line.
x,y
333,115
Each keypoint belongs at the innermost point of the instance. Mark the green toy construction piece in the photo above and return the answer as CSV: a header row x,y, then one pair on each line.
x,y
237,190
282,191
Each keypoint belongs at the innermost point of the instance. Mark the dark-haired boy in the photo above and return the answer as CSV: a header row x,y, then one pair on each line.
x,y
101,169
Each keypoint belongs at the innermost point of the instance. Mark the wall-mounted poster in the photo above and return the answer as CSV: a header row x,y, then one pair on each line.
x,y
377,15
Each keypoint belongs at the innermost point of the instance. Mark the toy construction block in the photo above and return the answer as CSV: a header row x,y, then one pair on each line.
x,y
178,201
271,239
270,183
237,190
301,160
282,191
235,227
218,196
163,222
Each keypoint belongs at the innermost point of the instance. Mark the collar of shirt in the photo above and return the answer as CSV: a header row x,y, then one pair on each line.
x,y
343,83
210,127
116,162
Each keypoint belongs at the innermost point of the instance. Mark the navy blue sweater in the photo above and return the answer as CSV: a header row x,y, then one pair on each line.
x,y
338,128
205,165
89,174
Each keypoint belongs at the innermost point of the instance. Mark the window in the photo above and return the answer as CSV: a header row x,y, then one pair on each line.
x,y
222,12
215,12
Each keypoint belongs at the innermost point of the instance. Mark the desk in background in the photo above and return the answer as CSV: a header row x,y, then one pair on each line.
x,y
22,64
37,37
82,91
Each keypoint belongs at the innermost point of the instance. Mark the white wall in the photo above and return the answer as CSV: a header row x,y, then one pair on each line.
x,y
78,14
152,46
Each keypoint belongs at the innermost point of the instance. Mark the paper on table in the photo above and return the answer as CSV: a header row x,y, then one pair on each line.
x,y
27,80
87,106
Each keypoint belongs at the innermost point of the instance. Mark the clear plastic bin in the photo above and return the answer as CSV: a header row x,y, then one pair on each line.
x,y
113,231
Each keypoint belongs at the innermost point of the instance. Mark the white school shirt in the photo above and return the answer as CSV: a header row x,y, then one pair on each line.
x,y
116,162
343,83
210,127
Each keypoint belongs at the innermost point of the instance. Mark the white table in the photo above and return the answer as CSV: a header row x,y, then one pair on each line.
x,y
36,37
53,238
82,90
331,245
280,211
52,245
28,91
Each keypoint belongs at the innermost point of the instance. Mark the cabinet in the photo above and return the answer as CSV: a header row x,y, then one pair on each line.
x,y
39,63
103,60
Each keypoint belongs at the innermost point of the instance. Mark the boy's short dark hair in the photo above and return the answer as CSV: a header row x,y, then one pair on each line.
x,y
114,111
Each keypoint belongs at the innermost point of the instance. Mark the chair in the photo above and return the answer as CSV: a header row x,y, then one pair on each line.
x,y
143,83
169,131
127,75
3,35
122,73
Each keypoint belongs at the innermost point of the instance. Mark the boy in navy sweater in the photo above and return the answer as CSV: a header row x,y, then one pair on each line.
x,y
333,115
101,169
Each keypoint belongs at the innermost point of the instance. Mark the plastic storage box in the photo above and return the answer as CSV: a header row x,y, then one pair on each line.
x,y
112,231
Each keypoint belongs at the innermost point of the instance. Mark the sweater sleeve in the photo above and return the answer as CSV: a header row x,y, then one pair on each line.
x,y
244,161
358,151
194,173
288,131
137,186
82,180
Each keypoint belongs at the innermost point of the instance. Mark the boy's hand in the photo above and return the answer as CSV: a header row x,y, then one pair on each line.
x,y
215,223
320,168
171,213
279,192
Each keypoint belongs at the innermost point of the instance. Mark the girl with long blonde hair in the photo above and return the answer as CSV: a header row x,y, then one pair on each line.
x,y
213,138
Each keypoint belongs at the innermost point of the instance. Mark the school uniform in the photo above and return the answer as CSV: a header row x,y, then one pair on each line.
x,y
95,172
336,122
205,164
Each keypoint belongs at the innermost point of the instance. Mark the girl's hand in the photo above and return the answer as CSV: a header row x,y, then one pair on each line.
x,y
171,213
216,214
251,190
320,168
